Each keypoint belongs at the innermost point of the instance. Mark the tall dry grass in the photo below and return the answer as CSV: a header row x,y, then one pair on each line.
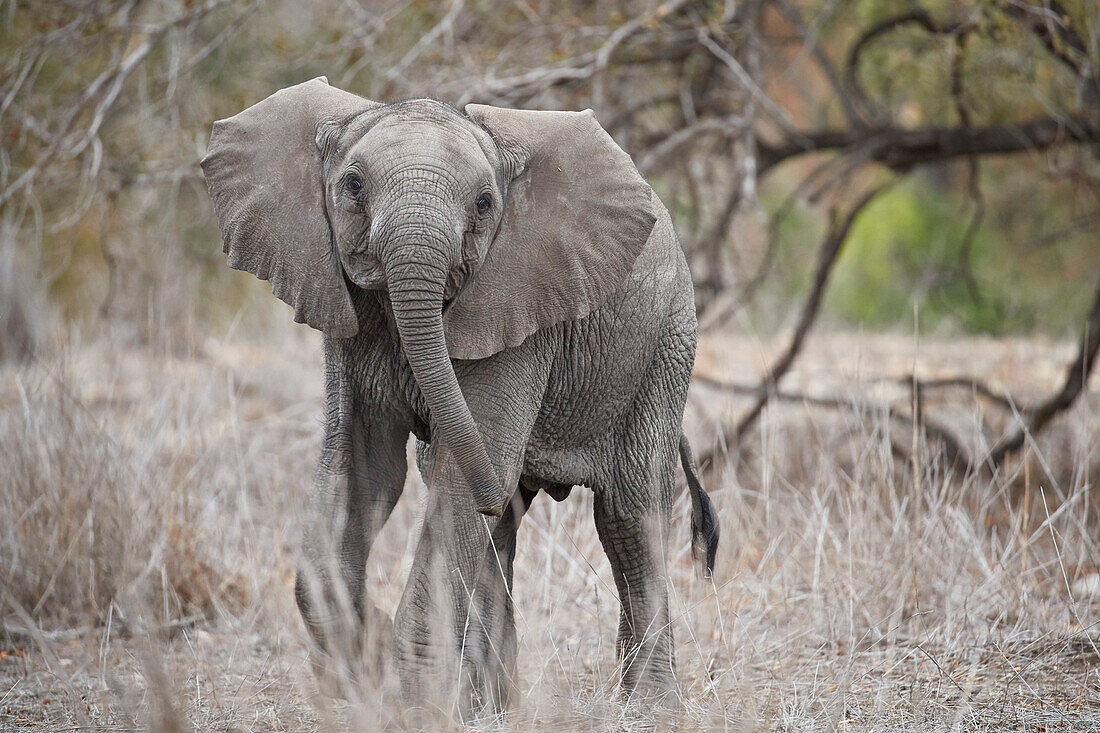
x,y
150,514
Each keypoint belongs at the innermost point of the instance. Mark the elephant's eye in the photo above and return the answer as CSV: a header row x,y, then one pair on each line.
x,y
353,184
483,203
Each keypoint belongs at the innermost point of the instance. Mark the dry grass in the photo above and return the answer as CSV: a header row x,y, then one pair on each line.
x,y
149,512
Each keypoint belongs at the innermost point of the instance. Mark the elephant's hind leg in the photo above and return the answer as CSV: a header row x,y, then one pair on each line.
x,y
632,520
632,514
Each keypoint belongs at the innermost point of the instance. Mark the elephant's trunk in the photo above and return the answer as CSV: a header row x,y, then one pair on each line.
x,y
416,293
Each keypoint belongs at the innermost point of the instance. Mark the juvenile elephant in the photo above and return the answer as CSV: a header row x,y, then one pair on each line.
x,y
506,287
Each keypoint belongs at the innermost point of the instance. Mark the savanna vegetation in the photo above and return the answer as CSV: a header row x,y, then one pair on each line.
x,y
891,210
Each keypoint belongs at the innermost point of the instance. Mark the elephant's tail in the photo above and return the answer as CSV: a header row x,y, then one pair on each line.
x,y
704,522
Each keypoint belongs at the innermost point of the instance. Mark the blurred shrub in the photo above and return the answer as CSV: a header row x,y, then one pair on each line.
x,y
88,520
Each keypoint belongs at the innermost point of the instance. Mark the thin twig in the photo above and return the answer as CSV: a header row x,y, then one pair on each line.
x,y
620,34
727,127
779,115
919,17
828,68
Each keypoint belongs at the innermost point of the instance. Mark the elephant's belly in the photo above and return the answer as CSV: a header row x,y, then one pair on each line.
x,y
604,368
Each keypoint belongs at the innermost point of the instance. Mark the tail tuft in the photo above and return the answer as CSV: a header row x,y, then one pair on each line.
x,y
704,522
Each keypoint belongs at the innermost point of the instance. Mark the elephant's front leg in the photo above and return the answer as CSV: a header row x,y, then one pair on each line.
x,y
448,654
359,480
489,648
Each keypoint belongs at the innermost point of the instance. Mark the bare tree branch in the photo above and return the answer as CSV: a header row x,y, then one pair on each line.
x,y
442,27
779,115
103,91
620,34
973,171
727,127
901,149
953,451
972,384
810,189
1050,23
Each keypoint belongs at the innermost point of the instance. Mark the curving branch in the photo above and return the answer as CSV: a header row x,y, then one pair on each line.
x,y
973,165
919,17
1077,376
620,34
69,141
972,384
1033,419
827,257
727,127
809,38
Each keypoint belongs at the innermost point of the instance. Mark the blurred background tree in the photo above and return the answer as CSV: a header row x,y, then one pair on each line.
x,y
769,127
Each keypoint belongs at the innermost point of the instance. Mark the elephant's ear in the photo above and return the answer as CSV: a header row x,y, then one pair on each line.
x,y
576,215
263,168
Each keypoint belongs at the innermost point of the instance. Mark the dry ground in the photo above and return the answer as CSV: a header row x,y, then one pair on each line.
x,y
149,507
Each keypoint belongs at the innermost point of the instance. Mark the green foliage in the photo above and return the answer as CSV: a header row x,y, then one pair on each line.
x,y
906,246
906,249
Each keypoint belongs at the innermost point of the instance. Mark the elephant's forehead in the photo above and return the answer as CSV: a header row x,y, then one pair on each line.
x,y
403,142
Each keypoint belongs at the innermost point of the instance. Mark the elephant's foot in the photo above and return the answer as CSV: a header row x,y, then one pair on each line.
x,y
445,679
348,655
651,685
485,689
652,708
648,689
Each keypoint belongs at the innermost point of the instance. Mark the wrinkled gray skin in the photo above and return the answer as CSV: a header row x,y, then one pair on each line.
x,y
566,306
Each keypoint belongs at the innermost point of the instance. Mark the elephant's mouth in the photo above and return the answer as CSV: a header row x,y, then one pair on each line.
x,y
364,270
456,281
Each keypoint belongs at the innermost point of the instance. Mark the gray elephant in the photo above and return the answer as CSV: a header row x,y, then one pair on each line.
x,y
506,287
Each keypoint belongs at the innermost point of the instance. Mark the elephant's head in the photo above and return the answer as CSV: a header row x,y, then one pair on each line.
x,y
482,228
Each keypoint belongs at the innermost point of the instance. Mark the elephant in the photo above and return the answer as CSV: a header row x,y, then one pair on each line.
x,y
504,286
